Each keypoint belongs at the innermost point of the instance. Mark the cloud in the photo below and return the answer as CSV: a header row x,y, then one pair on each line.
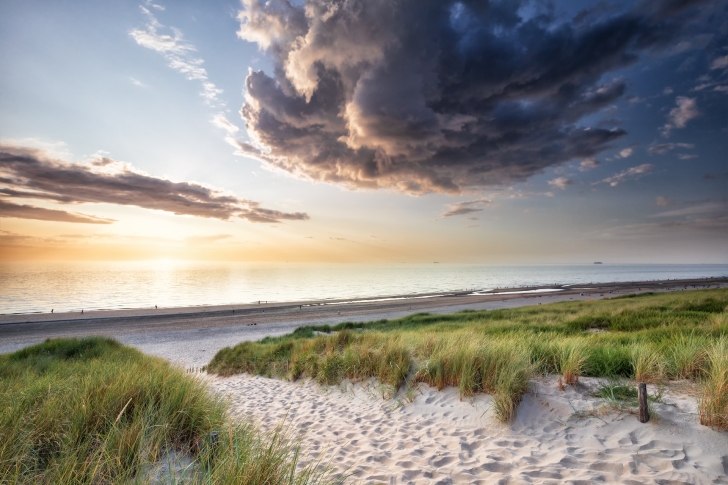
x,y
709,208
436,96
221,121
719,63
703,86
662,148
208,239
687,156
625,153
561,182
466,207
178,52
148,3
663,201
679,116
588,164
712,224
30,173
630,173
21,211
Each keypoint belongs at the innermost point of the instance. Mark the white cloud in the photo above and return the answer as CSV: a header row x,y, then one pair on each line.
x,y
625,153
679,116
663,201
630,173
177,51
136,82
588,164
221,121
719,63
149,3
561,182
58,149
702,86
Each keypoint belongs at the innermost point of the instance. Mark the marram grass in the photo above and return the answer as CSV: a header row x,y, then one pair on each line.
x,y
713,405
92,411
649,337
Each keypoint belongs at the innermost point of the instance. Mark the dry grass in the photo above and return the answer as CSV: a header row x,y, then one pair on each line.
x,y
572,361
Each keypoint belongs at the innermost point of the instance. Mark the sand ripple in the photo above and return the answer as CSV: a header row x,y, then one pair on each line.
x,y
438,439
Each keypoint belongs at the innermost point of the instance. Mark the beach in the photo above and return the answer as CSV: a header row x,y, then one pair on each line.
x,y
190,336
560,434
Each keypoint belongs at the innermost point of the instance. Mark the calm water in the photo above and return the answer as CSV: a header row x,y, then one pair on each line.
x,y
26,287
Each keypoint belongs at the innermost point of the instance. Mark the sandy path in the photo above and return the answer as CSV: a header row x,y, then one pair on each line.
x,y
437,439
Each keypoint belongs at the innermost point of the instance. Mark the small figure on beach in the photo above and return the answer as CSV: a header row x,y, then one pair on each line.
x,y
155,307
82,312
51,310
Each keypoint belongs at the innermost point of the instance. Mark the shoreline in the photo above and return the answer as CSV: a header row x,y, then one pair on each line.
x,y
190,336
209,310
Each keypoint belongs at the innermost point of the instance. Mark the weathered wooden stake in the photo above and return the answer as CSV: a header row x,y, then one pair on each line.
x,y
642,395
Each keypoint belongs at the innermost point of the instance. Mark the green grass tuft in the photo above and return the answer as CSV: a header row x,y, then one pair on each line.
x,y
651,338
93,411
713,405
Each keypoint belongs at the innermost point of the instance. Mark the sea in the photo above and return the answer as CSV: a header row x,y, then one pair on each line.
x,y
72,286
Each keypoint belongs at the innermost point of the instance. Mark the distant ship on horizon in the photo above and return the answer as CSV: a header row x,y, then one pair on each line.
x,y
597,262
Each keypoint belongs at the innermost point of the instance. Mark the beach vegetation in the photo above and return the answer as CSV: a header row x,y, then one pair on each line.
x,y
713,404
650,338
92,411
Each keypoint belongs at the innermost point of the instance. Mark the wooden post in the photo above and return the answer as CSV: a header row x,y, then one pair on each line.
x,y
642,395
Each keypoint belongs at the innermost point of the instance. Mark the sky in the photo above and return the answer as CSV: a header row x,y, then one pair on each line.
x,y
366,131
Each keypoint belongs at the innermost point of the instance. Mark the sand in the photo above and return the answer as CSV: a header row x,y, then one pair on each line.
x,y
556,437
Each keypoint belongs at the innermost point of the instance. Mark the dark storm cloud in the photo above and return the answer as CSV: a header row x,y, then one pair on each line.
x,y
32,174
435,96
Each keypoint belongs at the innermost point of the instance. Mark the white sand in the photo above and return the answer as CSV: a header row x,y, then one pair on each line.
x,y
438,439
